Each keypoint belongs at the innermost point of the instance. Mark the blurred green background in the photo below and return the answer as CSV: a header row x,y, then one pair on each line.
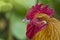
x,y
18,11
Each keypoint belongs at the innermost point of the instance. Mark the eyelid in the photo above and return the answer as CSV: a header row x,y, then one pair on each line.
x,y
45,22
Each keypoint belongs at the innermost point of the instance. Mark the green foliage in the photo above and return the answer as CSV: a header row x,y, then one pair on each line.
x,y
56,4
5,7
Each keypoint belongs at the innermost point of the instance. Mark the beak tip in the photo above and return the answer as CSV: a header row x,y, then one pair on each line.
x,y
25,20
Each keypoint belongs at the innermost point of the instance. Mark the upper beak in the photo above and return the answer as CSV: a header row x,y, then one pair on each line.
x,y
25,20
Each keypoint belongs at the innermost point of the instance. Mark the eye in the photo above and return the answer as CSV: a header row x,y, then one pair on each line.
x,y
39,19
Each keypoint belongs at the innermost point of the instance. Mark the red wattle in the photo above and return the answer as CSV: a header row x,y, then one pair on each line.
x,y
32,29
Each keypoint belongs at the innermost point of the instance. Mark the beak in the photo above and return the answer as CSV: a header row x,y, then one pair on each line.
x,y
25,21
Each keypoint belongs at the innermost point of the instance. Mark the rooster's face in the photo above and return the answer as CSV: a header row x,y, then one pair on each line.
x,y
39,19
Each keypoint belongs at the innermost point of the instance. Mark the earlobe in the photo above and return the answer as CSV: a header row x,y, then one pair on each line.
x,y
45,22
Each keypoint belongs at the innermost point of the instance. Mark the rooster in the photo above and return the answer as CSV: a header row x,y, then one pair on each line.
x,y
41,23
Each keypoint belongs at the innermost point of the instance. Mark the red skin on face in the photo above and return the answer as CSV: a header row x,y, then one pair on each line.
x,y
34,27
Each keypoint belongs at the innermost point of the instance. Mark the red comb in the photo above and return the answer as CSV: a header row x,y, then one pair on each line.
x,y
39,9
